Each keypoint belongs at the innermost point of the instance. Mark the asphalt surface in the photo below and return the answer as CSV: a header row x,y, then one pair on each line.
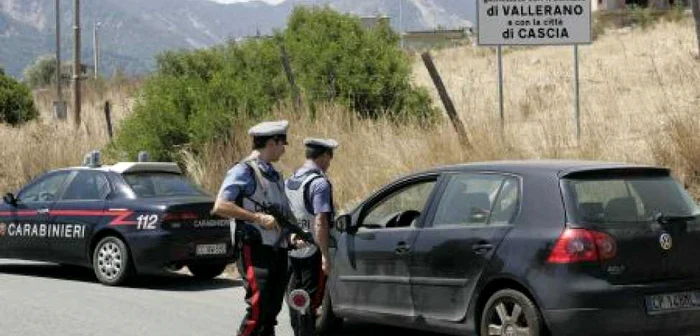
x,y
48,299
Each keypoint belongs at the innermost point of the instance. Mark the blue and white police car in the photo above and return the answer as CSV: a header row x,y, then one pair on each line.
x,y
121,220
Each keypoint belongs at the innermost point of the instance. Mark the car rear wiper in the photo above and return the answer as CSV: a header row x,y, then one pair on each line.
x,y
664,219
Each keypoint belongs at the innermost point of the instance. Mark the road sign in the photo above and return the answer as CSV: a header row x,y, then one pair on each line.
x,y
534,22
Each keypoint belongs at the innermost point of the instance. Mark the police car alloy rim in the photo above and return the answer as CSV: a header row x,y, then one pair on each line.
x,y
109,260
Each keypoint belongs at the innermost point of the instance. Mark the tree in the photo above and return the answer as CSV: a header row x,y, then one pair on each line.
x,y
16,102
42,72
337,59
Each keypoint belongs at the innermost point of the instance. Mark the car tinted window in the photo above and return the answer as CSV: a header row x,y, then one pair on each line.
x,y
508,202
468,199
87,185
147,185
45,189
626,199
411,198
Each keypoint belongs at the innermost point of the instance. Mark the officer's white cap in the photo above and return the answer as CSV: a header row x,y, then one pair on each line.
x,y
269,128
326,143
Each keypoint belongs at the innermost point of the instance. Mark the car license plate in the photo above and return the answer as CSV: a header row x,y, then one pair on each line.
x,y
672,302
211,249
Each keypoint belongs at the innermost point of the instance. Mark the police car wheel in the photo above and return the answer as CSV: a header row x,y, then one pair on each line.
x,y
111,261
326,321
206,270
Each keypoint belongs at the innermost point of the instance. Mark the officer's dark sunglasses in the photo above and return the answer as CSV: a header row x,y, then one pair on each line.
x,y
281,138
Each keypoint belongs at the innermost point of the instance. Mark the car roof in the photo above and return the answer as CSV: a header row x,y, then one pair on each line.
x,y
558,168
133,167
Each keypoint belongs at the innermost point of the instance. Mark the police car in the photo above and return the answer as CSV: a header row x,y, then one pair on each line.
x,y
121,220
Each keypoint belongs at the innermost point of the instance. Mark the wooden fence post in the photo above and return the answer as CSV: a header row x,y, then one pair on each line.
x,y
108,118
290,77
446,101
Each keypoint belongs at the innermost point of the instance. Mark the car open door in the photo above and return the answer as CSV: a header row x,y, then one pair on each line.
x,y
470,219
371,264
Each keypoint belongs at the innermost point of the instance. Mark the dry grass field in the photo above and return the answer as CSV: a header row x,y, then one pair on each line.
x,y
640,97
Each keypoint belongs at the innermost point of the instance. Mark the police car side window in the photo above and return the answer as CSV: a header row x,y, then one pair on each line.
x,y
45,189
87,185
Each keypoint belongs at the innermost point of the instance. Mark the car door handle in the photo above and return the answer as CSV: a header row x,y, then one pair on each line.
x,y
402,248
42,212
481,248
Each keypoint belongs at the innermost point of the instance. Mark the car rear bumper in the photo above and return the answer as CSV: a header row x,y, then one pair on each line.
x,y
591,306
161,250
600,322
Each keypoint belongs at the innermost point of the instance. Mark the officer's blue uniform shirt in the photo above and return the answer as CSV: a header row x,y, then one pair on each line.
x,y
240,180
319,189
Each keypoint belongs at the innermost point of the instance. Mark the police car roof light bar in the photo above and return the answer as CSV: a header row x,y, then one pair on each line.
x,y
143,156
92,159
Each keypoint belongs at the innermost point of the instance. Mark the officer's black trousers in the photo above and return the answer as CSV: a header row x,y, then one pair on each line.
x,y
307,274
264,273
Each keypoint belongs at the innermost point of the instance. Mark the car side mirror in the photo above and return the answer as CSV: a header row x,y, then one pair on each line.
x,y
343,223
10,198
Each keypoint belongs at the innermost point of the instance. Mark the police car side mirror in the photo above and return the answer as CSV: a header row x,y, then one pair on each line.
x,y
10,198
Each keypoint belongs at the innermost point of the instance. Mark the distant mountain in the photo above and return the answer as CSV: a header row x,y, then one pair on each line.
x,y
132,32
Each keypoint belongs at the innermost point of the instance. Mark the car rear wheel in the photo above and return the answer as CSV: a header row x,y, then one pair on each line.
x,y
206,270
111,261
510,313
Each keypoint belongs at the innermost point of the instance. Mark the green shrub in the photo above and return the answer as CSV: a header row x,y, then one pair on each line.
x,y
195,97
337,59
16,102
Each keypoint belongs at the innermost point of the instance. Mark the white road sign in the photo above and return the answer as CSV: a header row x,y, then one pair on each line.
x,y
534,22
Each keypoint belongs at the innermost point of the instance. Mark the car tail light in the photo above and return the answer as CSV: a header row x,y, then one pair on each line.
x,y
581,245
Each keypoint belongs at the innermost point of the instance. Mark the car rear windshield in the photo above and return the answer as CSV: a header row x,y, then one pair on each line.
x,y
151,184
624,199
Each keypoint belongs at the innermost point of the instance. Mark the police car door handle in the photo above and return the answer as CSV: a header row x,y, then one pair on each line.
x,y
42,212
402,248
481,248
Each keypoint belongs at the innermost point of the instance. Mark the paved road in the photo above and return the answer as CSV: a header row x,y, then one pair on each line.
x,y
45,299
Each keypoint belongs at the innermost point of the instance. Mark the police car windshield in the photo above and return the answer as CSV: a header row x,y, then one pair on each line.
x,y
146,185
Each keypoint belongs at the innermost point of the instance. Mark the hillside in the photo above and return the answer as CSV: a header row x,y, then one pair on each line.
x,y
133,31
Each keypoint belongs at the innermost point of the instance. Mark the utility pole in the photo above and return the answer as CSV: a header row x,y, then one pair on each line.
x,y
696,13
96,47
76,61
59,106
58,51
401,22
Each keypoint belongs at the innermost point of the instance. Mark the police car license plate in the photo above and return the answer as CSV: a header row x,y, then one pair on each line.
x,y
662,303
211,249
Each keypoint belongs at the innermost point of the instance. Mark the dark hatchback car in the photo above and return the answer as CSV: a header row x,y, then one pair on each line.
x,y
522,248
124,219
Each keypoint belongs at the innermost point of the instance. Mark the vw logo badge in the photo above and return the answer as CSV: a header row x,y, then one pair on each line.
x,y
666,241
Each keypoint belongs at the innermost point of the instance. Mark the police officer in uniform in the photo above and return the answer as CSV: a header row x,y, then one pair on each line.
x,y
250,186
311,197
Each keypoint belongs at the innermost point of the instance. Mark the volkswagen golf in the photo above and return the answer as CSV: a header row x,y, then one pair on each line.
x,y
522,248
